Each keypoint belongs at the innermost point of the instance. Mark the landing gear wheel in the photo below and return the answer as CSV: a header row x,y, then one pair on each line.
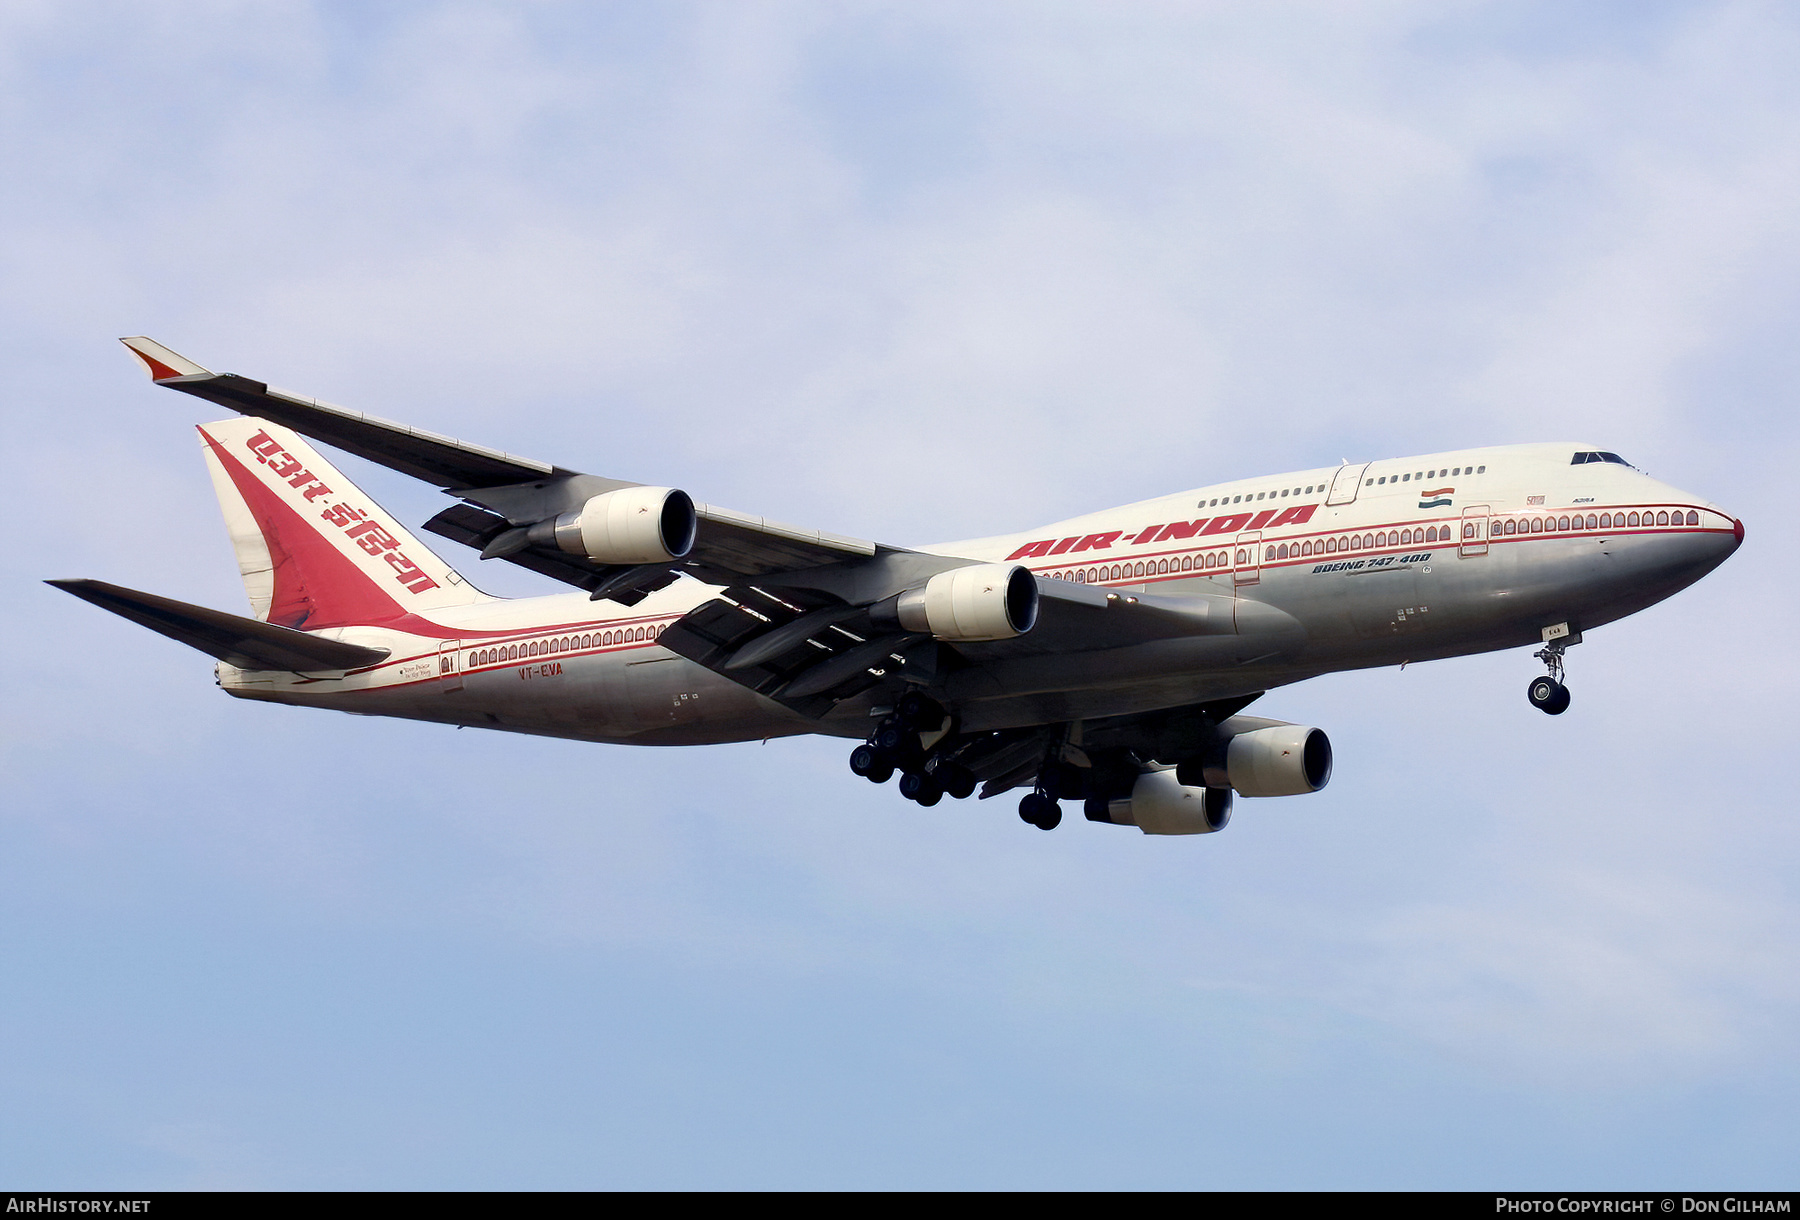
x,y
880,773
890,737
916,786
955,779
1548,696
864,759
1541,691
1040,811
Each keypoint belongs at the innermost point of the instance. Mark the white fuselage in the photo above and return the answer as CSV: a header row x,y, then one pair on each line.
x,y
1335,568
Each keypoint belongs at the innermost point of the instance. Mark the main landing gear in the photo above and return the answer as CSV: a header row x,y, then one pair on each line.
x,y
1548,694
927,774
1040,807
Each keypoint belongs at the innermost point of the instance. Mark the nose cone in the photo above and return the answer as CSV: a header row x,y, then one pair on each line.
x,y
1693,555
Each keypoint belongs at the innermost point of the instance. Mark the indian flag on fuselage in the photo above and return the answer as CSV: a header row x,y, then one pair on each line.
x,y
1436,499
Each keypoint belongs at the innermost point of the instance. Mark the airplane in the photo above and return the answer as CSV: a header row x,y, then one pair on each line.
x,y
1107,658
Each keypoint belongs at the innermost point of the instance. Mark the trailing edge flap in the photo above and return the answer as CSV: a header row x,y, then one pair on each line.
x,y
801,648
242,642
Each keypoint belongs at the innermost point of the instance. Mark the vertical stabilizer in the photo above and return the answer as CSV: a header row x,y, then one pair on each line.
x,y
314,551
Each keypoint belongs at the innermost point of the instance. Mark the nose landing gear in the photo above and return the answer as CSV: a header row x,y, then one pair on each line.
x,y
1548,694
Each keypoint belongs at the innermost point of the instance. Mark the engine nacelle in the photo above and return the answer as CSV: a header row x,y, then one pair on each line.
x,y
628,526
1274,759
984,601
1160,804
1287,760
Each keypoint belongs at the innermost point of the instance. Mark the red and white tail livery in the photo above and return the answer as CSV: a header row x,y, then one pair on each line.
x,y
314,551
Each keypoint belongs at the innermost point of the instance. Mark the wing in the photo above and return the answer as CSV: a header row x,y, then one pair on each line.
x,y
792,621
505,493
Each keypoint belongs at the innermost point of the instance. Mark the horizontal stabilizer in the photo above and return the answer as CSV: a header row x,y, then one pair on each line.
x,y
242,642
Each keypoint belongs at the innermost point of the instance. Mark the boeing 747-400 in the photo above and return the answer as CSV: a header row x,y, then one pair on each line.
x,y
1107,659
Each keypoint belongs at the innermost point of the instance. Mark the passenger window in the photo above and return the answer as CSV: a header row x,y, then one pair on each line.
x,y
1662,518
1355,543
1693,518
1481,470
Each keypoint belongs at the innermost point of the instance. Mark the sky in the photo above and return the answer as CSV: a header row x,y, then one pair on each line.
x,y
906,272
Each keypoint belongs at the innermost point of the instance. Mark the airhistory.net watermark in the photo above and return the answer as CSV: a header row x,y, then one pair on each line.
x,y
51,1205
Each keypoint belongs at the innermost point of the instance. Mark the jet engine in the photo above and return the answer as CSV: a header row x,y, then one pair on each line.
x,y
1277,760
629,526
1160,804
984,601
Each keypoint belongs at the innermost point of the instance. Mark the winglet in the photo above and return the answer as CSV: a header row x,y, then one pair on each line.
x,y
164,365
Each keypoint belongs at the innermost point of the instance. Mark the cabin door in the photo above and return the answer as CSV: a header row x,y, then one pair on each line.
x,y
1246,558
1474,531
450,665
1344,484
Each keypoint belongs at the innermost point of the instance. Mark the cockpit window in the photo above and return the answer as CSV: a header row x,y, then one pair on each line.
x,y
1581,458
